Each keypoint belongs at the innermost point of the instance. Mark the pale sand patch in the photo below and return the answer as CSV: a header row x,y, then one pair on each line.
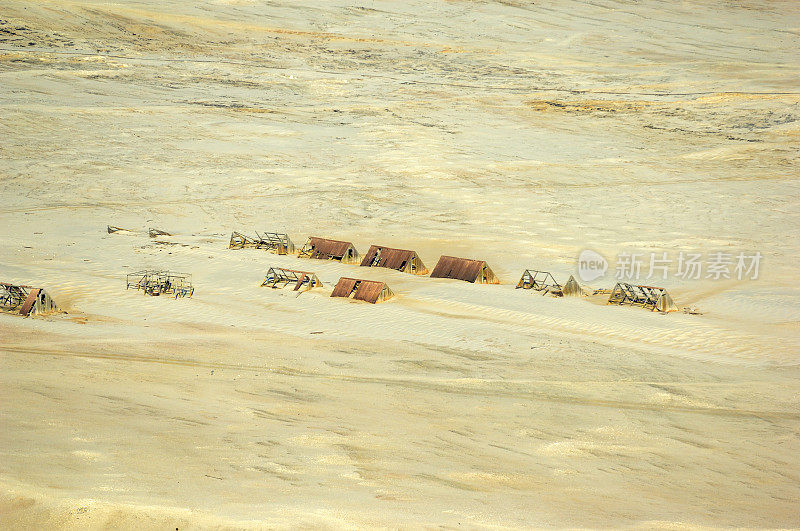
x,y
513,132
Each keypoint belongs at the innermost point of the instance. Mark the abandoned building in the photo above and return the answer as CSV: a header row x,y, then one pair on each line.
x,y
399,259
572,288
648,297
156,283
154,233
324,249
464,269
541,281
370,291
279,278
25,300
274,241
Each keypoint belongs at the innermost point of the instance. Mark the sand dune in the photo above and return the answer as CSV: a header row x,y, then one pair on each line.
x,y
514,132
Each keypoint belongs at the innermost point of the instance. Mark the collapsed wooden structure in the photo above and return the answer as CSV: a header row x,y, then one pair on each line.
x,y
154,233
464,269
324,249
156,282
370,291
399,259
273,241
648,297
541,281
278,278
26,300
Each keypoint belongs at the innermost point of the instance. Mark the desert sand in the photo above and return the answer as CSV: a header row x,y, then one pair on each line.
x,y
516,132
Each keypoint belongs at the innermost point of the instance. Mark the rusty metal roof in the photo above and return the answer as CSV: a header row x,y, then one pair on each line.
x,y
366,290
324,248
344,287
458,268
29,302
389,257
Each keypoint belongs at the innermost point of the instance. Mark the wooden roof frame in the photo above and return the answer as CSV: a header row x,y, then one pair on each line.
x,y
25,300
542,281
157,282
284,277
647,297
274,241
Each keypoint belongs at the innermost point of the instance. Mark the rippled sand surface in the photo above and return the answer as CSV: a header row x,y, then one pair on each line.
x,y
515,132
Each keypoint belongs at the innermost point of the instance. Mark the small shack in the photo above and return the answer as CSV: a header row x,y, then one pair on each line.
x,y
26,300
370,291
541,281
156,282
648,297
399,259
324,249
279,278
273,241
572,288
464,269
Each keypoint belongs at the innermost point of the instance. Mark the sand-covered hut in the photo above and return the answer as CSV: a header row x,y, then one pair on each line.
x,y
371,291
649,297
400,259
277,242
278,277
325,249
26,300
665,304
476,271
541,281
571,288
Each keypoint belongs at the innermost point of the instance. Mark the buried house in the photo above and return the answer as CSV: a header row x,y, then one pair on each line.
x,y
541,281
278,278
399,259
324,249
648,297
25,300
277,242
464,269
572,288
370,291
155,233
545,283
157,282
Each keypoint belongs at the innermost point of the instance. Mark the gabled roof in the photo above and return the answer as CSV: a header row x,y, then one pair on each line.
x,y
572,288
324,248
458,268
389,257
367,290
